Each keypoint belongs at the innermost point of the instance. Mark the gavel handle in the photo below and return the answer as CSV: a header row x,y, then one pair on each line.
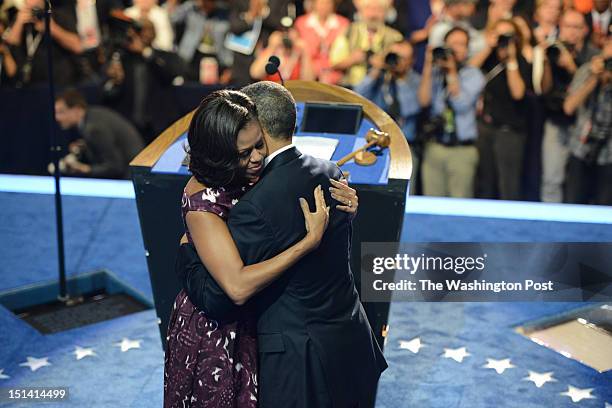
x,y
351,155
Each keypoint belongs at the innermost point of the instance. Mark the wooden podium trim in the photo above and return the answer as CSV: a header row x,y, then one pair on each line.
x,y
311,91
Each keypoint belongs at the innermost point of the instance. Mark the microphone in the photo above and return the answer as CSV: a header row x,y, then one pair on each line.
x,y
272,67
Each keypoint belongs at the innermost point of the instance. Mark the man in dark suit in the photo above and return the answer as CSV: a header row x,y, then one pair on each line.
x,y
107,141
316,347
599,21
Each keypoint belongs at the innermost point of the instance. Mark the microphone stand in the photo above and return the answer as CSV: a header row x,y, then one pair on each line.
x,y
55,153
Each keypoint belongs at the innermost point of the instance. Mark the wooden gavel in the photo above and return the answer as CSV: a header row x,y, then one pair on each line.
x,y
373,137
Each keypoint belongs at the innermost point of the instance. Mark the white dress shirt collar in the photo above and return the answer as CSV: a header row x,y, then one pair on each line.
x,y
276,153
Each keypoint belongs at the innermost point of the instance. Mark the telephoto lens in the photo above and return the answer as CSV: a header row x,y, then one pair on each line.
x,y
391,60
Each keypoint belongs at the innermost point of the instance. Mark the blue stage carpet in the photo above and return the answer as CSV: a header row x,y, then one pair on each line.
x,y
104,233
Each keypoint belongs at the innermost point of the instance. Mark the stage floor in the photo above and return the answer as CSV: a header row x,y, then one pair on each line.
x,y
102,231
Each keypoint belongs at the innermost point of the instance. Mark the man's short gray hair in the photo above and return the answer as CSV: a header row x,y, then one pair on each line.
x,y
275,108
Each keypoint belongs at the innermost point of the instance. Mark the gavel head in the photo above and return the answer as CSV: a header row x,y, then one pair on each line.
x,y
381,138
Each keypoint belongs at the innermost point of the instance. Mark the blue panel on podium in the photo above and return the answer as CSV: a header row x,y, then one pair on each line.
x,y
377,174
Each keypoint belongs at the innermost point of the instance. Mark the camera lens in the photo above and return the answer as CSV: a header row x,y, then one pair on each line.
x,y
504,40
553,53
391,59
439,54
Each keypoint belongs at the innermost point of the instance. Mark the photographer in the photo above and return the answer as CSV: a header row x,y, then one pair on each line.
x,y
140,79
392,84
8,66
369,36
26,36
451,89
502,130
295,61
319,29
456,13
564,55
589,168
107,141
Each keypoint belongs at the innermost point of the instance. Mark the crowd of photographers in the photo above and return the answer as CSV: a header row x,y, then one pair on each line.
x,y
499,98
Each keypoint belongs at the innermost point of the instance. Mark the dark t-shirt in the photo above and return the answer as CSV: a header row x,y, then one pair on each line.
x,y
499,107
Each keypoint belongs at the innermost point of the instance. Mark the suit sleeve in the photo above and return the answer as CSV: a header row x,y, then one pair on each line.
x,y
202,290
253,236
253,239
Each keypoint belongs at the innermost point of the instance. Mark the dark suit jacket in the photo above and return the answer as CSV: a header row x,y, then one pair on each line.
x,y
589,20
316,347
112,142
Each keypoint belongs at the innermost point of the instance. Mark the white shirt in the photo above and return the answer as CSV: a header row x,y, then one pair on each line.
x,y
603,19
276,153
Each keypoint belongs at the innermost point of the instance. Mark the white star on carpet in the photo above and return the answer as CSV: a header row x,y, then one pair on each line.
x,y
413,345
82,352
539,379
36,363
498,365
2,375
456,354
578,394
127,344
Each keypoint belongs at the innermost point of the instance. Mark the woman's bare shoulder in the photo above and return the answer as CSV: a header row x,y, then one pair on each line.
x,y
193,186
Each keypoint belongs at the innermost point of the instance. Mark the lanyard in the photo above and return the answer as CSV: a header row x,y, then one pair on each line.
x,y
32,44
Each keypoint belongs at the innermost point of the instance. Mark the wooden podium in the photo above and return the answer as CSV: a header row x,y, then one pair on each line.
x,y
158,198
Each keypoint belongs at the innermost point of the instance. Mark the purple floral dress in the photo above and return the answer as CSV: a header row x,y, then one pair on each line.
x,y
207,364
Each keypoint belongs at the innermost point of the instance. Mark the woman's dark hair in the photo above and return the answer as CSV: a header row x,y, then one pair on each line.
x,y
213,133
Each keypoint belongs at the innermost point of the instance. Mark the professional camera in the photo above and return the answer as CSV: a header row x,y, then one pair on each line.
x,y
391,60
553,52
504,40
441,54
38,13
